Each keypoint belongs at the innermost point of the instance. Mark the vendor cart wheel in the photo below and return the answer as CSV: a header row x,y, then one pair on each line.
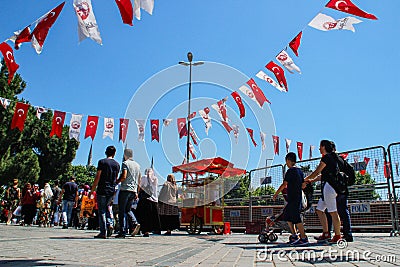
x,y
218,229
272,237
195,227
263,238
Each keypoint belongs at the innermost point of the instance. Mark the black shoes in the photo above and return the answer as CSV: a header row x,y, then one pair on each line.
x,y
65,226
110,231
120,236
100,236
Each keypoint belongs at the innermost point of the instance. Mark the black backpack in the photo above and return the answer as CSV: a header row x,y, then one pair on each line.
x,y
345,175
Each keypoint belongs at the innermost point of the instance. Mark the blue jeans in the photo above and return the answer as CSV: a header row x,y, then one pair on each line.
x,y
344,214
104,213
67,207
125,200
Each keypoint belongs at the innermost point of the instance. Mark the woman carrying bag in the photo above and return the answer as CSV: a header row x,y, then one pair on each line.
x,y
168,209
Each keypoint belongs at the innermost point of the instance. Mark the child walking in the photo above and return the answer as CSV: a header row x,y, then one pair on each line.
x,y
293,180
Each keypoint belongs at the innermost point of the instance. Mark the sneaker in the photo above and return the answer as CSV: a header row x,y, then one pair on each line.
x,y
300,242
323,237
335,239
135,230
100,236
65,226
293,238
120,236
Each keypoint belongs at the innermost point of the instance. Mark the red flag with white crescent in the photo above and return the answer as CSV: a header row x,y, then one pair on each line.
x,y
279,74
344,155
250,131
300,150
126,10
347,6
58,123
258,93
239,103
91,126
155,125
275,139
182,127
295,43
227,127
23,36
8,55
123,129
20,113
41,30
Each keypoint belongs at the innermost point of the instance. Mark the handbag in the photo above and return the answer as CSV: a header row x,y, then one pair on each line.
x,y
146,191
17,211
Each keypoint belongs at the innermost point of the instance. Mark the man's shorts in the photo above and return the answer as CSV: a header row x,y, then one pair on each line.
x,y
329,201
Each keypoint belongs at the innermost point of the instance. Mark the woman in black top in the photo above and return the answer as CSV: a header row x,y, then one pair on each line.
x,y
325,171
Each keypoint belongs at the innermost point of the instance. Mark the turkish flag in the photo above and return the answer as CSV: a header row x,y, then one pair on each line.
x,y
250,131
295,43
279,74
41,30
123,129
258,93
191,116
275,139
347,6
91,126
8,55
300,150
155,125
20,113
182,127
227,126
23,37
126,10
386,169
58,123
344,155
239,103
366,160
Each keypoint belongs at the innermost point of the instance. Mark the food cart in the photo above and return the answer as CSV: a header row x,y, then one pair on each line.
x,y
204,184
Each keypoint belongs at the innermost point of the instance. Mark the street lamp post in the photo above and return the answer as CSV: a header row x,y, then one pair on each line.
x,y
190,64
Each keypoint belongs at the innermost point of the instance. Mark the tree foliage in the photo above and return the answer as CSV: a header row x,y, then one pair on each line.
x,y
31,155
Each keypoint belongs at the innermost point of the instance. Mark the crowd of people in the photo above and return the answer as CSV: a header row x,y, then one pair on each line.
x,y
119,201
122,201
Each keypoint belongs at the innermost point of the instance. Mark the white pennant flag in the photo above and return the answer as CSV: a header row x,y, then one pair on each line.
x,y
261,75
4,102
87,25
194,135
220,107
146,5
108,128
235,129
204,113
287,62
75,126
326,23
40,111
311,151
247,91
167,122
140,126
263,146
288,142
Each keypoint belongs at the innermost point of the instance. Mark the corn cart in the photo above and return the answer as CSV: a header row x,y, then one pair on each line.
x,y
204,184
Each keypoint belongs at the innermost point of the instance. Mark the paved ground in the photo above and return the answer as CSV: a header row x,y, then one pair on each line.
x,y
33,246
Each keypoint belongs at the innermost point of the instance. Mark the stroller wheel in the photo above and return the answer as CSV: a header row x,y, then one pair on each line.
x,y
272,237
262,238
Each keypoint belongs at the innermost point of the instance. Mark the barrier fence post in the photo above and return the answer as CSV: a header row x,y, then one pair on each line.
x,y
391,177
250,200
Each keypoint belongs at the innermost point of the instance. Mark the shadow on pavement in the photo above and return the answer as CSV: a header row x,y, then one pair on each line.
x,y
29,262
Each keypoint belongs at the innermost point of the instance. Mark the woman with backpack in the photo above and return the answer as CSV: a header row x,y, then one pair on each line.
x,y
328,169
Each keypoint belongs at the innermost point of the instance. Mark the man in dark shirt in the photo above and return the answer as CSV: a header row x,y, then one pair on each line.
x,y
69,196
54,205
105,182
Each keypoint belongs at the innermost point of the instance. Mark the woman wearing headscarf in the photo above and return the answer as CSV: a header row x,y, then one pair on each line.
x,y
45,205
168,209
147,208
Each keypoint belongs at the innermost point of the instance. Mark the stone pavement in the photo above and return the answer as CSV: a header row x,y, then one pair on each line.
x,y
34,246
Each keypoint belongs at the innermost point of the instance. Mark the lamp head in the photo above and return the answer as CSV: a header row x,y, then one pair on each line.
x,y
190,56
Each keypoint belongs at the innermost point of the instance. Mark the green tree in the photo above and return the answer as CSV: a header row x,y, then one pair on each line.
x,y
364,188
82,174
19,149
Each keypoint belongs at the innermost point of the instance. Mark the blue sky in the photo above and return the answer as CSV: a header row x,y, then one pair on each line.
x,y
347,91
